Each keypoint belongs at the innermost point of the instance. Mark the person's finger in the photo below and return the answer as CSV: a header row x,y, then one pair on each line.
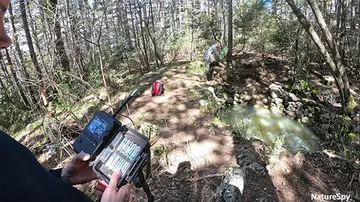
x,y
100,187
114,179
80,157
99,193
93,175
124,192
103,183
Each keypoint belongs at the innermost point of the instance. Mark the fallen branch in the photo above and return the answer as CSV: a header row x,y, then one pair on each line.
x,y
331,155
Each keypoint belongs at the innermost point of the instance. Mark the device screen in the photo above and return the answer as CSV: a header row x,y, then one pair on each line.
x,y
119,155
98,127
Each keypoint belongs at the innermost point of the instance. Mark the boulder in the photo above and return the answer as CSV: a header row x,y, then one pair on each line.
x,y
276,90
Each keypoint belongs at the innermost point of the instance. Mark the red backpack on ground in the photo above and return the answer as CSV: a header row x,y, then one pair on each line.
x,y
157,88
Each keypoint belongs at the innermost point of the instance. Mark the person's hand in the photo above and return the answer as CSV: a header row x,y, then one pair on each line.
x,y
78,170
100,187
113,194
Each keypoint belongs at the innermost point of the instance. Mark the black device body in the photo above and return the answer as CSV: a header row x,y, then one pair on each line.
x,y
114,146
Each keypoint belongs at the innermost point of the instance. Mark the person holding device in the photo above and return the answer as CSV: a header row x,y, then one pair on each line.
x,y
23,178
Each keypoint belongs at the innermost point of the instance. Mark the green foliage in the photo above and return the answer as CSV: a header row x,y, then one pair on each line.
x,y
256,26
278,143
351,104
285,34
13,114
196,68
352,136
307,86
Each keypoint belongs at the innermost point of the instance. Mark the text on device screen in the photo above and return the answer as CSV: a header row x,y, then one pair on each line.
x,y
98,127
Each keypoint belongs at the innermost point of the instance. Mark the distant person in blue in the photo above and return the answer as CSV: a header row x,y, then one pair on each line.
x,y
211,58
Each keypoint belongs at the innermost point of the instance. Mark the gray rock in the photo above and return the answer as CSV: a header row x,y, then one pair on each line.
x,y
229,101
291,108
276,90
293,97
291,114
299,104
232,186
265,100
306,112
299,113
278,101
257,168
273,95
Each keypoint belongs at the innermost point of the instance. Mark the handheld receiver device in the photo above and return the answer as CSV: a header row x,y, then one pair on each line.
x,y
115,147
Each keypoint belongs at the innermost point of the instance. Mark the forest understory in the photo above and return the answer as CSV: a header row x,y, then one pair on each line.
x,y
279,120
192,151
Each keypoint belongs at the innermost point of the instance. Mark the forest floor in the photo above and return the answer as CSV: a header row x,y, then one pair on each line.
x,y
191,150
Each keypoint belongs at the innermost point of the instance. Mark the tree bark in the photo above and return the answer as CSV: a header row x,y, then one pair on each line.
x,y
230,30
19,52
59,42
16,79
146,58
33,54
338,70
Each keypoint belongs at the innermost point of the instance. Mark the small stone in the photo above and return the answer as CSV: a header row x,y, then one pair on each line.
x,y
306,112
293,97
275,89
299,113
247,97
257,106
291,108
278,101
273,95
291,114
305,120
265,100
202,102
229,101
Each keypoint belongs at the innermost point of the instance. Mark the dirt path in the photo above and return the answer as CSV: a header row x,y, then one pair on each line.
x,y
187,145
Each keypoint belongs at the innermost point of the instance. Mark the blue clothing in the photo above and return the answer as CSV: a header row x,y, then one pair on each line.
x,y
211,50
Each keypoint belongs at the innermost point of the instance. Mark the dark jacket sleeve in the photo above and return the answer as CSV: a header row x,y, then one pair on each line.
x,y
23,178
56,172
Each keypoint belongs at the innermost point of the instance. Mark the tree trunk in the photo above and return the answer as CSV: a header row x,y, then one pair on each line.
x,y
35,35
59,42
19,52
338,70
152,37
33,54
230,30
146,58
229,70
13,72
